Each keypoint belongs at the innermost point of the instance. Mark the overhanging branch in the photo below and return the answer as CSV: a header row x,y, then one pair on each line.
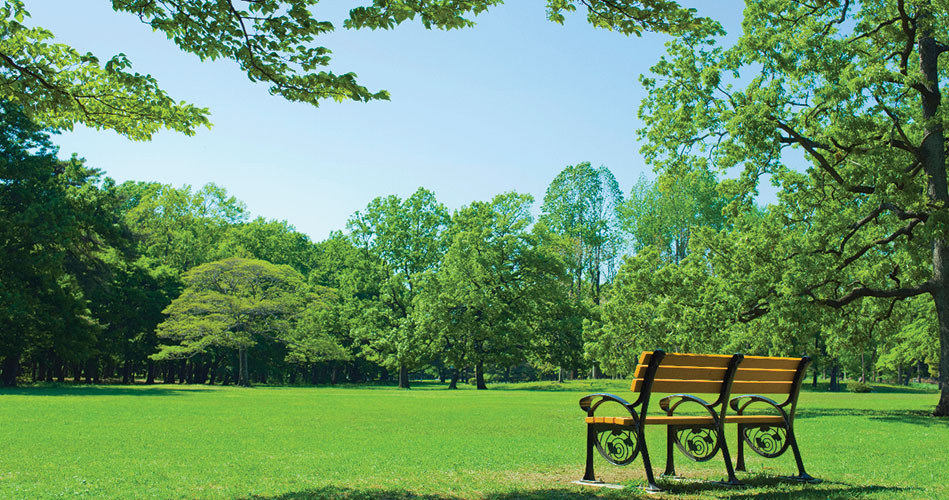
x,y
862,291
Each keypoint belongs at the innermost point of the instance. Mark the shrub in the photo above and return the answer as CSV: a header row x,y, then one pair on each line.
x,y
859,387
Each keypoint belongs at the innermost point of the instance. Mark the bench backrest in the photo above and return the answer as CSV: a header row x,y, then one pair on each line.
x,y
769,375
684,373
704,373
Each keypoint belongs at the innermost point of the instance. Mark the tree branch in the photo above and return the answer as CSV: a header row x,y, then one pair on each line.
x,y
862,291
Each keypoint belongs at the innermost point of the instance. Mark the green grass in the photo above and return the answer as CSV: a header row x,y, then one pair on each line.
x,y
514,442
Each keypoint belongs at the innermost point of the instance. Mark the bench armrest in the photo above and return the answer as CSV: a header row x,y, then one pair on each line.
x,y
588,404
737,405
665,402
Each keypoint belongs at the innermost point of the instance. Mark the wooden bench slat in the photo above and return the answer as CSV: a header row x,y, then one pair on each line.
x,y
721,361
684,386
714,386
705,373
610,420
678,359
745,387
769,362
689,420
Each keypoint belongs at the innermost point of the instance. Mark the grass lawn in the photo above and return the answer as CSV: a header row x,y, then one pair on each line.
x,y
374,443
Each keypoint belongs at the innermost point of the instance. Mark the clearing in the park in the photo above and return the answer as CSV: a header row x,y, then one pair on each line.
x,y
521,441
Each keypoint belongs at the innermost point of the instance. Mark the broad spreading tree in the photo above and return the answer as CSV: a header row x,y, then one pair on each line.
x,y
234,304
840,103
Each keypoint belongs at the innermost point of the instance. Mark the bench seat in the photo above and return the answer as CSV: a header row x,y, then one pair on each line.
x,y
690,420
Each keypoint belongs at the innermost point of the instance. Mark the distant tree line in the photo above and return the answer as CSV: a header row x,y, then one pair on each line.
x,y
145,282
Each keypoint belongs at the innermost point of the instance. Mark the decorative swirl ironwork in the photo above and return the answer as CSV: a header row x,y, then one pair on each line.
x,y
617,444
768,441
698,443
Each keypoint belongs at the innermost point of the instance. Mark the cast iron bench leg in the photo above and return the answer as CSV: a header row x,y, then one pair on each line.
x,y
740,464
591,437
801,475
670,456
652,488
732,480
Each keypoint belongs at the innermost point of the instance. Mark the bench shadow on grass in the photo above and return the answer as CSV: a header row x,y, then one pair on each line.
x,y
757,489
338,493
777,488
60,390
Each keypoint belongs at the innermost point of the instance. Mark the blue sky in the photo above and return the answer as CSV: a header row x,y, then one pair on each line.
x,y
503,106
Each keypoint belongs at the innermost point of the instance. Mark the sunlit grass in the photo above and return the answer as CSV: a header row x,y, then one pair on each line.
x,y
516,441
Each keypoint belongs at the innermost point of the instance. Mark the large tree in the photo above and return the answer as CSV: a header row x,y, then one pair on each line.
x,y
854,88
399,243
494,287
52,225
232,303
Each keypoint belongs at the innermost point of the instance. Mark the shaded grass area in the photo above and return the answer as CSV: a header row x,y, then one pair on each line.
x,y
524,441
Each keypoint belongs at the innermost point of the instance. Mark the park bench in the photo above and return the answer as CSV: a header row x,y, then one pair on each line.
x,y
772,433
700,437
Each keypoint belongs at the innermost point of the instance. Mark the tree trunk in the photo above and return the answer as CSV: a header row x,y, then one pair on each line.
x,y
933,159
834,384
127,372
560,375
243,375
454,379
863,370
479,376
11,365
404,377
91,366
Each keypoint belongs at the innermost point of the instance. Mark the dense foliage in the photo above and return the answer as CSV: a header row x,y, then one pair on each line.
x,y
838,103
149,282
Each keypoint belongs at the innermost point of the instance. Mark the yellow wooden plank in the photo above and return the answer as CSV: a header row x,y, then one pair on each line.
x,y
714,386
688,420
682,386
744,387
771,363
706,373
680,420
610,420
706,360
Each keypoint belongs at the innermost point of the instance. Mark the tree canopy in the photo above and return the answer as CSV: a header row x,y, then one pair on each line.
x,y
274,42
231,303
854,89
